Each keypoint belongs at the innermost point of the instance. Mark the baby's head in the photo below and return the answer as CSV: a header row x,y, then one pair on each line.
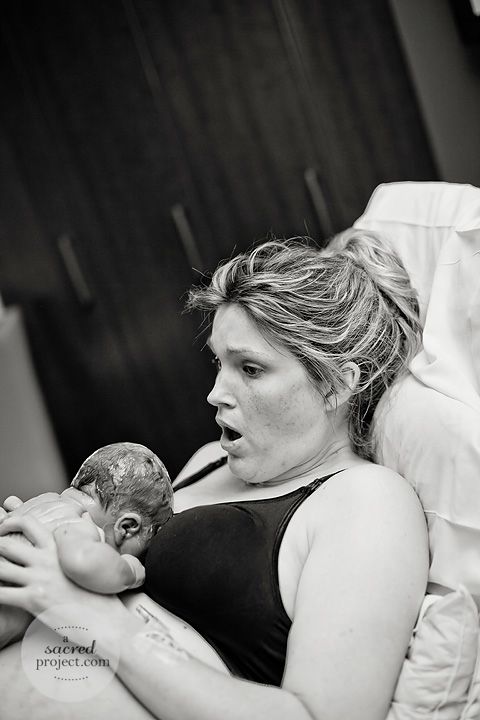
x,y
131,492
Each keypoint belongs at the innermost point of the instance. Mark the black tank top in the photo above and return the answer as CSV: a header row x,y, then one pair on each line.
x,y
216,567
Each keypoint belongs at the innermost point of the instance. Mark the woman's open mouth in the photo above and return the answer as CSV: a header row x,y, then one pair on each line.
x,y
231,435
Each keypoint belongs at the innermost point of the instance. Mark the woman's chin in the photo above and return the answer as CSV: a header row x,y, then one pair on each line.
x,y
245,470
242,469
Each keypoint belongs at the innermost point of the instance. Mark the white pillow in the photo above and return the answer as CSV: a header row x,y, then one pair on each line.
x,y
427,427
436,677
471,710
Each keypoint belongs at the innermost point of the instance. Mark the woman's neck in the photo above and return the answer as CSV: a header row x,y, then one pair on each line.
x,y
334,457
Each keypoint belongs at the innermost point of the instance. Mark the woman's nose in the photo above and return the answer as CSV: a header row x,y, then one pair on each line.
x,y
220,394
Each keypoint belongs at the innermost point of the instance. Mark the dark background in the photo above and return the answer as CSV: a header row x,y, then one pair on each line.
x,y
139,138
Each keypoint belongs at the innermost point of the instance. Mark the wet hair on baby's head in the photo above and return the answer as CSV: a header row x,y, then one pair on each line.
x,y
129,477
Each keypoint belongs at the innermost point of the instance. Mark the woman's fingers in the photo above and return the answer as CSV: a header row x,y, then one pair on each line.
x,y
3,514
13,596
11,573
12,502
30,527
16,551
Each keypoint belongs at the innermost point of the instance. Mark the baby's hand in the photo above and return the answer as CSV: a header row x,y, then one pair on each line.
x,y
137,569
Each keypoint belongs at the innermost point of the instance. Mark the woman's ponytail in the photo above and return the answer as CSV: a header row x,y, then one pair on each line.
x,y
373,254
397,320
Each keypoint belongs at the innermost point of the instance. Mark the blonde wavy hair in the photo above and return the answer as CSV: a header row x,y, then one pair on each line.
x,y
349,302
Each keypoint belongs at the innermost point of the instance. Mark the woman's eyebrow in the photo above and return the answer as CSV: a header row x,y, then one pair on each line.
x,y
247,351
241,351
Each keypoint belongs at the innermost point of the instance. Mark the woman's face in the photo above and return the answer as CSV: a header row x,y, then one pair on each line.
x,y
274,422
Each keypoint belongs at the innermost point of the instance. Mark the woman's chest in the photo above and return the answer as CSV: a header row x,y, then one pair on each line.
x,y
250,553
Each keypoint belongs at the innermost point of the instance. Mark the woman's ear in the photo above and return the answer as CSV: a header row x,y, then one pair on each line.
x,y
351,375
126,527
351,378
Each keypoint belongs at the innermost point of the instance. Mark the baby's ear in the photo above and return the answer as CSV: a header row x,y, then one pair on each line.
x,y
127,526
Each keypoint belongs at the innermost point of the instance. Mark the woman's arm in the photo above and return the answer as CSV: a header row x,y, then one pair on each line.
x,y
359,595
356,605
23,701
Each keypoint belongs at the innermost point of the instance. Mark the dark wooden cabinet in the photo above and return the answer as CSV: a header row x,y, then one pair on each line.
x,y
141,137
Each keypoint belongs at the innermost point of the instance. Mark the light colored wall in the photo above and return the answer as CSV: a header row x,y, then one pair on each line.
x,y
447,85
30,461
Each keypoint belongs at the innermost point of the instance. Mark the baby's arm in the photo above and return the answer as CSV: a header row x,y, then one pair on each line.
x,y
93,564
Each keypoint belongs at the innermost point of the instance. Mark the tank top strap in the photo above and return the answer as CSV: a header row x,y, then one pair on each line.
x,y
206,470
292,501
311,487
210,467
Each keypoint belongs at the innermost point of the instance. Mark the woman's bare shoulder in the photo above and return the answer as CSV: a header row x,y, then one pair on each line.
x,y
367,478
368,490
206,454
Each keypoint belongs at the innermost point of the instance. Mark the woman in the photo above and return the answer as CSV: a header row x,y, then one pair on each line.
x,y
302,562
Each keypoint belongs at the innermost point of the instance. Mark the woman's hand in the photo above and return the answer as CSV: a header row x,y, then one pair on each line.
x,y
35,572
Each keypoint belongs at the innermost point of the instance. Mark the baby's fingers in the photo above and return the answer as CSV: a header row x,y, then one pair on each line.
x,y
30,527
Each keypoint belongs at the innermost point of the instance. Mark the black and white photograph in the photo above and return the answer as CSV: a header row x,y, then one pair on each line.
x,y
240,359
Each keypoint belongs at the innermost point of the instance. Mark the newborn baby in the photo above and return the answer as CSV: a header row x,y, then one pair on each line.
x,y
103,522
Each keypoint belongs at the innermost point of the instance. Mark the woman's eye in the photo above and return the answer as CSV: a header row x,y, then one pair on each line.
x,y
251,370
215,361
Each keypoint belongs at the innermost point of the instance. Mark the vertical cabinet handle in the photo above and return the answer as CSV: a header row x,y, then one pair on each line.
x,y
318,201
186,236
75,272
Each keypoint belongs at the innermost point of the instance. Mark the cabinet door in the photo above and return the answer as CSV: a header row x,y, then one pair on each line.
x,y
357,98
96,167
142,138
289,112
222,71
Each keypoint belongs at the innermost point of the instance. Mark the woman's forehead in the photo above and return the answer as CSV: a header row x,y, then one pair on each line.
x,y
235,332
